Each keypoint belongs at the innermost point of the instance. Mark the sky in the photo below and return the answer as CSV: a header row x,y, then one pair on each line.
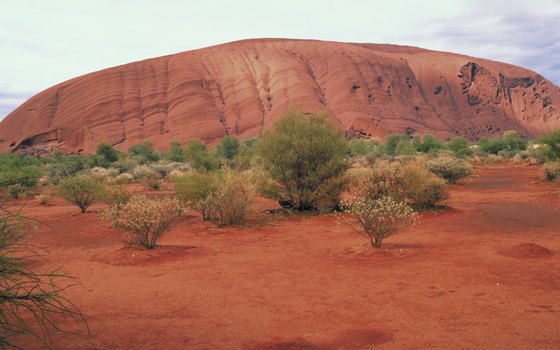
x,y
45,42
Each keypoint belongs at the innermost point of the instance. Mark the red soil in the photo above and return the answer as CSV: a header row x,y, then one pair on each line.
x,y
314,283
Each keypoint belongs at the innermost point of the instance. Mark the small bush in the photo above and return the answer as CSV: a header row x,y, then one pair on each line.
x,y
123,178
196,153
45,196
451,169
144,153
423,188
116,196
552,142
221,197
392,141
81,191
146,220
459,146
552,171
429,144
381,217
152,181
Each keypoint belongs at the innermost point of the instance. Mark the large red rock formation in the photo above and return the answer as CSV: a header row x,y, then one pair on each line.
x,y
240,87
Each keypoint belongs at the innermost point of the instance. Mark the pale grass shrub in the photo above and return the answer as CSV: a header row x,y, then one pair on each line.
x,y
100,173
449,168
409,181
381,217
146,221
177,173
123,179
552,171
116,196
152,181
45,195
423,188
222,197
141,171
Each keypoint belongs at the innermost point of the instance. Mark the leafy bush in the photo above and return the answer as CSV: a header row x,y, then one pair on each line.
x,y
19,173
146,220
552,142
64,167
362,147
305,156
107,153
198,156
459,146
381,217
509,144
552,170
144,153
392,141
451,169
81,191
222,197
228,148
429,143
175,153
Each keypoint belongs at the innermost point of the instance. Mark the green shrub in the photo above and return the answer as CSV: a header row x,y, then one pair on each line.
x,y
305,156
19,173
198,156
107,153
362,147
228,148
381,217
451,169
459,146
175,153
244,157
393,140
196,189
429,143
147,220
552,142
144,153
64,167
405,148
222,197
81,191
552,171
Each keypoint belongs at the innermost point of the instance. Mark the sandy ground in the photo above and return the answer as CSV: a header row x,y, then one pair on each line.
x,y
482,275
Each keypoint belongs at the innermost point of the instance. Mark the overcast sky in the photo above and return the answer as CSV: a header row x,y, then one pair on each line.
x,y
46,42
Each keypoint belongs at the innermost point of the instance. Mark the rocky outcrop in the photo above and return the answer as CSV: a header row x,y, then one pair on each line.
x,y
241,87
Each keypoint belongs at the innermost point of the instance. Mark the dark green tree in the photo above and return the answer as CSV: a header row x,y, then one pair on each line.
x,y
228,148
198,156
107,151
175,153
144,152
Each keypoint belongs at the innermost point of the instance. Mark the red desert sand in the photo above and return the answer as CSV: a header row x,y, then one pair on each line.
x,y
484,274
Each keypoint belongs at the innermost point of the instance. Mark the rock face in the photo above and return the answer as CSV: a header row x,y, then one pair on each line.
x,y
241,87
